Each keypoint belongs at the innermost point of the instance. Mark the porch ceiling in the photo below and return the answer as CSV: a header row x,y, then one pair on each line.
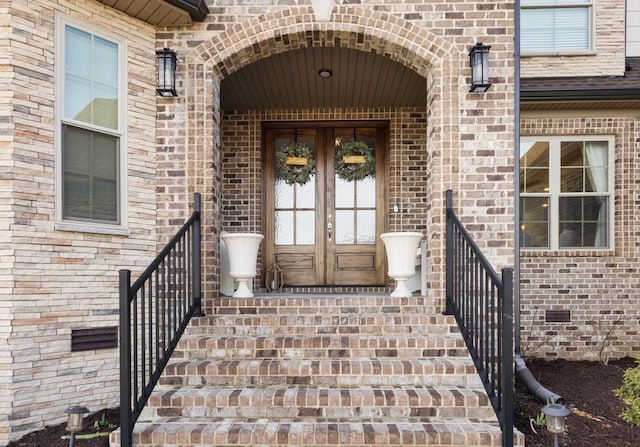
x,y
291,80
162,12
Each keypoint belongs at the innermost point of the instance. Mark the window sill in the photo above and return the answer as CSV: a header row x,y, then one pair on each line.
x,y
552,53
563,253
90,228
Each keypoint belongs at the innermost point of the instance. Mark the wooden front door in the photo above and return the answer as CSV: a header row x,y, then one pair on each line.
x,y
325,231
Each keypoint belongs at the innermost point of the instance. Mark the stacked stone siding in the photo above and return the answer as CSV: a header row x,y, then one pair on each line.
x,y
55,281
606,57
597,290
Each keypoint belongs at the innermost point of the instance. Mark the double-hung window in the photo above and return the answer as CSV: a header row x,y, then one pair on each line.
x,y
566,193
556,26
90,123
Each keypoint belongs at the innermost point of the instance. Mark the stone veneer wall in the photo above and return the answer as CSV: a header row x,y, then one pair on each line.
x,y
599,291
53,281
607,57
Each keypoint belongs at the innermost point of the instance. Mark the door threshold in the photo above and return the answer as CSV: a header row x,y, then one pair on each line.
x,y
327,290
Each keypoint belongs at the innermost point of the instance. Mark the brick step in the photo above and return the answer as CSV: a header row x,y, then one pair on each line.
x,y
400,431
278,402
352,323
320,346
323,372
325,304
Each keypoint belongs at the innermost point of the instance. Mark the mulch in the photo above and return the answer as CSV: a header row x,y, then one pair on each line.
x,y
587,388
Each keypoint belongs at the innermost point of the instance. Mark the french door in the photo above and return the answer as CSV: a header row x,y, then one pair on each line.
x,y
323,230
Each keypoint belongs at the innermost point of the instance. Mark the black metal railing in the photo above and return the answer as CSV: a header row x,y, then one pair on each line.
x,y
482,303
154,312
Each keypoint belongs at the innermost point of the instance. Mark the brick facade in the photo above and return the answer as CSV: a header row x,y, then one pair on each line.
x,y
597,290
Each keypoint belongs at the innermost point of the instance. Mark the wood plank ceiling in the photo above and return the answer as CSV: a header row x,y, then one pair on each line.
x,y
291,80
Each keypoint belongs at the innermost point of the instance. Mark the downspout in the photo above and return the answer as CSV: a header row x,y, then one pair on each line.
x,y
523,373
516,182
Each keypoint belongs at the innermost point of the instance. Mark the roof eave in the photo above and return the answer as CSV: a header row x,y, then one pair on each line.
x,y
618,94
197,9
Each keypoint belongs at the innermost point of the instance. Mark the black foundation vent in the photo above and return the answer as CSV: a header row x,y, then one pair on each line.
x,y
91,339
557,316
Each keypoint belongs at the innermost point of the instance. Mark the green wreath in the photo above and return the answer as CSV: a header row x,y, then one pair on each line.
x,y
354,171
294,173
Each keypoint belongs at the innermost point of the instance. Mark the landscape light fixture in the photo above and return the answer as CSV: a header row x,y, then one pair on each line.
x,y
166,73
75,422
555,415
479,62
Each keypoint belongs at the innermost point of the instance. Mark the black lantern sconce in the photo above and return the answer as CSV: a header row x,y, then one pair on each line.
x,y
479,61
166,73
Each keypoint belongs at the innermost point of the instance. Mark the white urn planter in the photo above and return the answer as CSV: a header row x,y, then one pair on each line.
x,y
401,250
243,255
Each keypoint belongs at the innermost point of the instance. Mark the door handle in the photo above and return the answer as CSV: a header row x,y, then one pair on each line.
x,y
329,228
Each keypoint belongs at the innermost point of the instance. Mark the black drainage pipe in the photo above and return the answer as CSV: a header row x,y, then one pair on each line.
x,y
534,387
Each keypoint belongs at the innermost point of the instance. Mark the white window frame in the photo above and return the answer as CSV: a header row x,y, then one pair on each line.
x,y
554,193
542,4
120,227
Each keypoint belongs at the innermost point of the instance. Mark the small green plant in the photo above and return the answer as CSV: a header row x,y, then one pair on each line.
x,y
102,423
538,422
629,394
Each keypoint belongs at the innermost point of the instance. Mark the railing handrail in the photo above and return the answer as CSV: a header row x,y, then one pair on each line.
x,y
165,297
482,289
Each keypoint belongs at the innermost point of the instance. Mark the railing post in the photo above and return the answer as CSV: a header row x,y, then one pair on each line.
x,y
197,257
507,357
125,359
449,255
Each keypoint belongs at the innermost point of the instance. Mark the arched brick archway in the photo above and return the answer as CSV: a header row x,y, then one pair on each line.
x,y
354,27
350,27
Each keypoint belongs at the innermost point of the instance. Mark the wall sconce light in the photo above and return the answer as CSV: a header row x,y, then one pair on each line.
x,y
479,61
75,422
555,415
166,73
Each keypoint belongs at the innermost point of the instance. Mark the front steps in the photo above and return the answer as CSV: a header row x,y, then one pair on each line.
x,y
322,370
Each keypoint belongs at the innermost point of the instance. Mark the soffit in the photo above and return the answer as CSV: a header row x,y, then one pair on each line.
x,y
161,12
291,80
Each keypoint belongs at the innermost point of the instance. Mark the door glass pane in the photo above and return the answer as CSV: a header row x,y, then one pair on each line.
x,y
306,194
345,224
284,227
366,193
284,195
305,227
344,193
366,226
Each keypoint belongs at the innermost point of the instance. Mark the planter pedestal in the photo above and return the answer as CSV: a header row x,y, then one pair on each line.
x,y
243,255
401,250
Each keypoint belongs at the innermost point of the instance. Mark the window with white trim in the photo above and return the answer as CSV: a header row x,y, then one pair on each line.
x,y
566,193
89,117
551,26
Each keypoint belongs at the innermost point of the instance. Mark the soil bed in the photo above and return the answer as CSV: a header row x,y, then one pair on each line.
x,y
587,388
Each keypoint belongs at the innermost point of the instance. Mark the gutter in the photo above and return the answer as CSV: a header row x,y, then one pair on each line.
x,y
197,9
584,94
